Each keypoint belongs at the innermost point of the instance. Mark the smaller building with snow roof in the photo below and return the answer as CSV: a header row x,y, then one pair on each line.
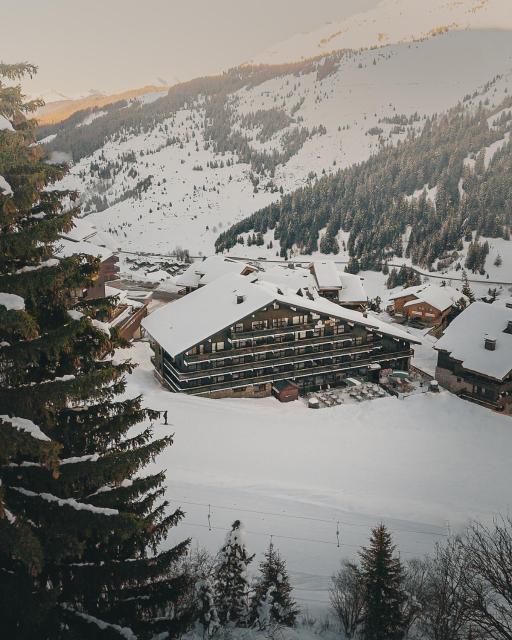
x,y
430,303
475,356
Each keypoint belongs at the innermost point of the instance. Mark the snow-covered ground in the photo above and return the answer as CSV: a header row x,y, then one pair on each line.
x,y
423,465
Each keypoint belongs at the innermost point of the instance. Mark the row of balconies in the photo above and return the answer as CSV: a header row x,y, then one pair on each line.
x,y
293,373
280,357
292,343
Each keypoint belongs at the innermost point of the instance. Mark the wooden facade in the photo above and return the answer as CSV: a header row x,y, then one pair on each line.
x,y
279,342
472,385
108,272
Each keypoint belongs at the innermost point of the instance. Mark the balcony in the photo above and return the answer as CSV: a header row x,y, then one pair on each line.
x,y
271,346
276,361
297,373
274,331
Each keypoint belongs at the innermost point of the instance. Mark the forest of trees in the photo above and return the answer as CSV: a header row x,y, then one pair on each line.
x,y
212,92
369,200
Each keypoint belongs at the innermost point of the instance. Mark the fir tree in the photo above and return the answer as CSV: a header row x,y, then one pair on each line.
x,y
382,576
79,524
206,610
466,289
272,601
232,584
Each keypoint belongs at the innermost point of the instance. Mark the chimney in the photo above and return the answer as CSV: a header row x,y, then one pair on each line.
x,y
509,327
490,344
239,298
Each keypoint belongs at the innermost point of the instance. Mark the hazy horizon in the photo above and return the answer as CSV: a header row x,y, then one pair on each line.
x,y
121,44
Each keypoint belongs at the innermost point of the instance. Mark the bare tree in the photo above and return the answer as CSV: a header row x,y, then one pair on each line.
x,y
489,578
444,615
347,597
415,587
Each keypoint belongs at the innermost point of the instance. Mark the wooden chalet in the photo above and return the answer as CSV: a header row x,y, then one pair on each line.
x,y
475,356
239,336
432,304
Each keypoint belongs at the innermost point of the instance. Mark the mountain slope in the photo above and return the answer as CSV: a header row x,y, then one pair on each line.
x,y
214,150
420,199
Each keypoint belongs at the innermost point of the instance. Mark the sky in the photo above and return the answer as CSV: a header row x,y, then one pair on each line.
x,y
112,45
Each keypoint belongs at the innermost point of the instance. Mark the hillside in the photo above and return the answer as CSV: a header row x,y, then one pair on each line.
x,y
183,168
59,110
419,199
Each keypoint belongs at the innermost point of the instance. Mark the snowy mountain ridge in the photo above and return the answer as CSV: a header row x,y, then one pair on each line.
x,y
391,22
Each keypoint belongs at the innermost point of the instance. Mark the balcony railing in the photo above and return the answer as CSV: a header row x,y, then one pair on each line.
x,y
270,346
276,361
295,373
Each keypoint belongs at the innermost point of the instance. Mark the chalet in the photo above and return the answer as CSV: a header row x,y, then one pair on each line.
x,y
127,315
201,273
108,270
344,288
475,356
238,336
429,303
327,278
352,294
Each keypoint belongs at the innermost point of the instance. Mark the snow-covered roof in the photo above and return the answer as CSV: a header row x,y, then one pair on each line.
x,y
407,291
327,275
169,286
205,272
66,248
82,230
352,289
440,298
464,339
289,279
187,321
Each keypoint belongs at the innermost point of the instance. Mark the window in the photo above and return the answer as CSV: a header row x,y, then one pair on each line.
x,y
257,325
279,322
300,319
359,339
239,327
338,328
217,346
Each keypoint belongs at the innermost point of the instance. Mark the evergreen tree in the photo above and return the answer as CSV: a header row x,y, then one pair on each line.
x,y
382,576
232,583
206,610
79,524
272,601
353,266
466,288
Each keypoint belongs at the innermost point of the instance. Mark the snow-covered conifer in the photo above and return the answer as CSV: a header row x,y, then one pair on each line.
x,y
205,608
79,523
272,601
232,582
